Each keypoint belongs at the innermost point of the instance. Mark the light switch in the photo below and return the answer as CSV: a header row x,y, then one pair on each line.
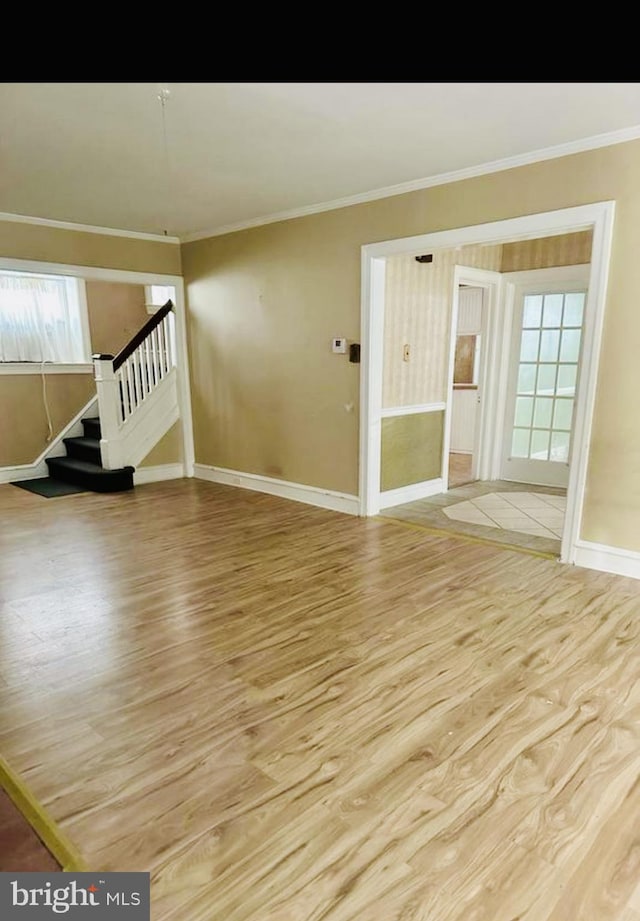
x,y
406,353
339,346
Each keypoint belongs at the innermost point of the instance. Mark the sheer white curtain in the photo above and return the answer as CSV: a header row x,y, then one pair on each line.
x,y
40,319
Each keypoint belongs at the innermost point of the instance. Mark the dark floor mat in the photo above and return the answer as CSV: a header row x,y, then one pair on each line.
x,y
50,488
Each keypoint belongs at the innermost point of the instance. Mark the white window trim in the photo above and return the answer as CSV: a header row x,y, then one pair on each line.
x,y
47,367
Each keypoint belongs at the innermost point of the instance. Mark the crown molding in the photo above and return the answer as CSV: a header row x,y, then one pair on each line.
x,y
547,153
86,228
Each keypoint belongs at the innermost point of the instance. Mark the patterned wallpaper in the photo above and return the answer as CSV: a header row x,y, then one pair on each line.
x,y
546,252
418,314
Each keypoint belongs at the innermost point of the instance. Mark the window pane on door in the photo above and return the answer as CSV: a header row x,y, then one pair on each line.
x,y
560,446
524,411
546,379
526,379
532,313
573,309
570,348
562,415
549,342
567,375
520,442
552,310
539,445
542,413
529,345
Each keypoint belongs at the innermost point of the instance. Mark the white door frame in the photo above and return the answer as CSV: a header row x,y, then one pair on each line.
x,y
598,216
515,285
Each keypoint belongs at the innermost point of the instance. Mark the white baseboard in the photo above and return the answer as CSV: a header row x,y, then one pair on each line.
x,y
311,495
607,559
22,472
423,490
142,474
158,473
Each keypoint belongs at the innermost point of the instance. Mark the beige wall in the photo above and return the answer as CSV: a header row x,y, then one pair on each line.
x,y
74,247
270,398
23,420
115,311
168,450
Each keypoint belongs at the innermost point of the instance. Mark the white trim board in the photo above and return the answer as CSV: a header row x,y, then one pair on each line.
x,y
18,367
86,228
392,497
607,559
310,495
416,409
90,272
609,139
599,216
21,472
157,473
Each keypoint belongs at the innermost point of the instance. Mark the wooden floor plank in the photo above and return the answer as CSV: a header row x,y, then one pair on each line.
x,y
286,714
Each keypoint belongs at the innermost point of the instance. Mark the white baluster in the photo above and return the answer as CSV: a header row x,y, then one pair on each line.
x,y
167,338
171,320
160,332
122,393
139,373
130,390
156,335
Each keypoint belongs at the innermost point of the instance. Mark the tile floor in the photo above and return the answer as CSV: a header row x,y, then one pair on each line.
x,y
525,512
512,514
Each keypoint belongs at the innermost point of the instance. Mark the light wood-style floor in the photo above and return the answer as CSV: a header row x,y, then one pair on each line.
x,y
286,714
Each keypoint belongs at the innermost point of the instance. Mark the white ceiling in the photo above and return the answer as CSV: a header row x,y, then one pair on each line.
x,y
92,153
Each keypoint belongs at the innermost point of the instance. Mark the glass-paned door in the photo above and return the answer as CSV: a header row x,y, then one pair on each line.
x,y
545,361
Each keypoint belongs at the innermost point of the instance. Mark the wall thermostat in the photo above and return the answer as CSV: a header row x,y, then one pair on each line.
x,y
339,346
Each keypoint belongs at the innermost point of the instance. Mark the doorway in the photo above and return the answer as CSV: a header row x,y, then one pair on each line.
x,y
465,393
597,218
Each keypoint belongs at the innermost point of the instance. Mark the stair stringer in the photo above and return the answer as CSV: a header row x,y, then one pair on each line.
x,y
143,430
55,448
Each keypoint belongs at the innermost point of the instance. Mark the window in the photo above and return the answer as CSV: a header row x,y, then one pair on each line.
x,y
42,319
156,296
547,375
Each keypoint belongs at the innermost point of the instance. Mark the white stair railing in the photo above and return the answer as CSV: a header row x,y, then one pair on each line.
x,y
137,392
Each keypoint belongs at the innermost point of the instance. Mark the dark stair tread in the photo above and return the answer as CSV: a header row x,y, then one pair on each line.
x,y
84,448
93,476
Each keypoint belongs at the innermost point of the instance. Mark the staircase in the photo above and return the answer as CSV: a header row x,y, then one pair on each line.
x,y
83,464
137,404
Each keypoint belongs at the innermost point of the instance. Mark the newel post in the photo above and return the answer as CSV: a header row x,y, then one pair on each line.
x,y
108,407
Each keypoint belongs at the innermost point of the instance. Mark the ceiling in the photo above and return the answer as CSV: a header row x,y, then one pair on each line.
x,y
94,153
